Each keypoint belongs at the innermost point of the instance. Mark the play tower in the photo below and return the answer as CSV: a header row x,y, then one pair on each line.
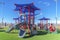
x,y
43,21
27,12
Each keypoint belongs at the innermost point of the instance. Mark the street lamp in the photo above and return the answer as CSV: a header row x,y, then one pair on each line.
x,y
56,14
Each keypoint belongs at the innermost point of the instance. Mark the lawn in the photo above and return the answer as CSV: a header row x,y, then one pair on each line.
x,y
14,36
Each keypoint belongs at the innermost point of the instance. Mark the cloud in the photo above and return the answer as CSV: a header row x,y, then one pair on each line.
x,y
46,3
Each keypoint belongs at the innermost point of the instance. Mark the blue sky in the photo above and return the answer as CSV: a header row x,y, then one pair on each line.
x,y
48,9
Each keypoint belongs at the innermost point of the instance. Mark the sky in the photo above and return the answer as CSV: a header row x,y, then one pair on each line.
x,y
48,9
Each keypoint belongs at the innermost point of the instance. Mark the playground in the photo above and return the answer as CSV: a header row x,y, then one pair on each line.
x,y
29,24
13,35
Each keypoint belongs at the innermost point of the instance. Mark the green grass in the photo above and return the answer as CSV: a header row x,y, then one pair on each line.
x,y
14,36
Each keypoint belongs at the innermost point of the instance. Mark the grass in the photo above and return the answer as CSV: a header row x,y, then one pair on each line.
x,y
14,36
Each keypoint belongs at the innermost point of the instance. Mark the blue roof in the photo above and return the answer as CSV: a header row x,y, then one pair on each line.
x,y
25,7
44,18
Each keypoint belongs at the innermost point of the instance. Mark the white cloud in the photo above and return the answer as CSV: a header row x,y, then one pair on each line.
x,y
46,3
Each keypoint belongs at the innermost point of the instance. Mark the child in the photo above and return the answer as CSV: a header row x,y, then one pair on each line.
x,y
52,28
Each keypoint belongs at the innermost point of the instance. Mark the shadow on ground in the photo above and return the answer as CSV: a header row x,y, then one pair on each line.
x,y
39,33
28,36
2,30
42,32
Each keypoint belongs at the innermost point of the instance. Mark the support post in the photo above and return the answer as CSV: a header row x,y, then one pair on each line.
x,y
29,20
20,12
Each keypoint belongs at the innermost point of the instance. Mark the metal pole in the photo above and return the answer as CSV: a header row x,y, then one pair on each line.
x,y
56,15
56,12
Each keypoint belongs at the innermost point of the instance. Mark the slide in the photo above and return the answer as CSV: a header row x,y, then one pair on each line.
x,y
10,29
15,27
22,33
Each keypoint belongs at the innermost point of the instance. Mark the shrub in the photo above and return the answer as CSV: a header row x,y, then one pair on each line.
x,y
42,32
58,30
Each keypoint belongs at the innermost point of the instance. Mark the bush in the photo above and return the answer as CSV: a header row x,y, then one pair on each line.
x,y
42,32
2,30
58,30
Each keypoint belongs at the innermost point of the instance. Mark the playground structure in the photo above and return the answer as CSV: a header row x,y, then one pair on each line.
x,y
26,20
44,23
27,14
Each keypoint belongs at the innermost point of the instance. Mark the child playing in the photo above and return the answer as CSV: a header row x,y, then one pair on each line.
x,y
52,28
